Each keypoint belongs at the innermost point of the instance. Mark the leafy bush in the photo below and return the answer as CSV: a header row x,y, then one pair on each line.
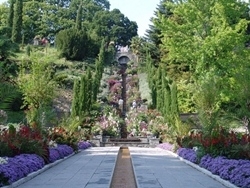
x,y
10,97
74,44
219,143
23,140
64,137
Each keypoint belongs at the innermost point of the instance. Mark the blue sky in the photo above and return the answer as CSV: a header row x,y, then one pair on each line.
x,y
139,11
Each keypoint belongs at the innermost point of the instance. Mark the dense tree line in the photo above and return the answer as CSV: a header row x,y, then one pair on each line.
x,y
202,46
28,19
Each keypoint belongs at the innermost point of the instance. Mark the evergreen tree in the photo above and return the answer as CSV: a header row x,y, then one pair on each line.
x,y
89,90
75,103
11,13
159,90
74,44
174,102
167,99
83,96
17,22
79,18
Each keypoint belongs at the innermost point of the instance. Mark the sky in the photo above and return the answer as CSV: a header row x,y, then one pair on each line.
x,y
139,11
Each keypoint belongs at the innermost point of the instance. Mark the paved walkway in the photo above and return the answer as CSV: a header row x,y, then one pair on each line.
x,y
93,168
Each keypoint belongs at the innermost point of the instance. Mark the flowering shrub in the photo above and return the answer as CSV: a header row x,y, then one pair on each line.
x,y
219,142
23,139
188,154
19,167
59,152
235,171
166,146
83,145
108,124
62,136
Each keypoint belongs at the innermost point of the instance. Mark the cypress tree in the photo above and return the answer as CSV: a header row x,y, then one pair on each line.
x,y
174,102
89,90
82,95
17,22
167,99
96,85
75,103
158,89
11,13
154,93
79,18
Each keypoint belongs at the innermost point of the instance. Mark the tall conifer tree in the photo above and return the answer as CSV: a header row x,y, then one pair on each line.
x,y
17,22
11,13
79,18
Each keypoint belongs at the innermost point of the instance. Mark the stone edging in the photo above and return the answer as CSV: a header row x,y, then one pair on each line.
x,y
203,170
36,173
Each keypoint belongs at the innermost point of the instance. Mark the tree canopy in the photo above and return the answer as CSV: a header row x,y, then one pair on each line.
x,y
47,18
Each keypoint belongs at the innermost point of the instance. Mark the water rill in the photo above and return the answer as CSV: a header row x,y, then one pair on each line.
x,y
123,175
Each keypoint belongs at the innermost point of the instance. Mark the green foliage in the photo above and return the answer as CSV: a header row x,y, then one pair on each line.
x,y
200,39
5,149
74,44
34,80
185,96
220,142
62,135
11,13
10,97
208,100
75,103
28,50
23,139
241,93
83,95
113,26
79,18
7,47
17,22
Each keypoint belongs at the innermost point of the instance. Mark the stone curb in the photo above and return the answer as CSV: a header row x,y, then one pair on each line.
x,y
112,174
36,173
203,170
135,175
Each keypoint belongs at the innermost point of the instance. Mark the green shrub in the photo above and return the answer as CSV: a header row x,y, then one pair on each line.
x,y
74,44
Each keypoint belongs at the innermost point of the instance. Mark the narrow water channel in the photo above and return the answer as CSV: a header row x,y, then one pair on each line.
x,y
123,175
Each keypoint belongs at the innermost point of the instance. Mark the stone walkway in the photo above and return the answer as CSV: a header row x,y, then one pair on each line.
x,y
154,168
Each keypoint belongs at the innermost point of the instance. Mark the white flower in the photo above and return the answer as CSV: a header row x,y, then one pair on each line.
x,y
3,160
195,148
52,144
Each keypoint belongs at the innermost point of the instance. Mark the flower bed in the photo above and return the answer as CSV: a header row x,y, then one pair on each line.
x,y
83,145
18,167
235,171
59,152
15,168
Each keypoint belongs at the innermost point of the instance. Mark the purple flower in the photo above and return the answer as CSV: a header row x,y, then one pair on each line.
x,y
59,152
188,154
83,145
235,171
166,146
19,167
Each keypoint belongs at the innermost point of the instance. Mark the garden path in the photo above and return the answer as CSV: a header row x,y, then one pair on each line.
x,y
154,168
